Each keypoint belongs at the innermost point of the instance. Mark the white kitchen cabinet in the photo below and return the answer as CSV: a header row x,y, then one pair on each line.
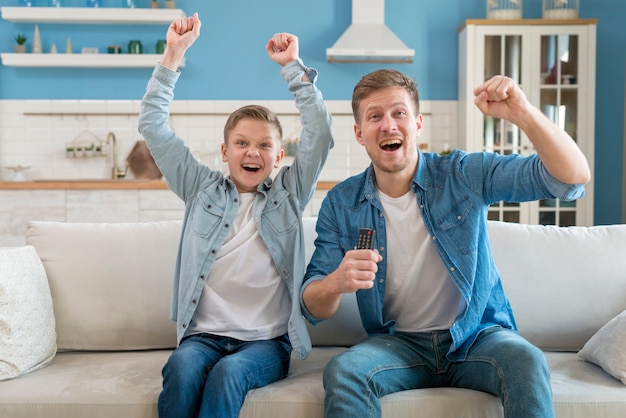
x,y
553,61
86,15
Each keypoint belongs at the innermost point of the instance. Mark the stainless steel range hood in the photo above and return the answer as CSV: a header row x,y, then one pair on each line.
x,y
368,39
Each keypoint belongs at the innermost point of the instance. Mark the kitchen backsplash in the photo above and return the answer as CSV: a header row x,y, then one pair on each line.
x,y
39,134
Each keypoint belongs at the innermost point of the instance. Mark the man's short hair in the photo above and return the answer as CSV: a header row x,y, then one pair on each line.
x,y
381,79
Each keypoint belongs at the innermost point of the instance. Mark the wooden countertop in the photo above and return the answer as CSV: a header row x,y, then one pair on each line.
x,y
103,184
106,184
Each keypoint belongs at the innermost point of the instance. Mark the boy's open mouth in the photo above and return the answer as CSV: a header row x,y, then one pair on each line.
x,y
253,168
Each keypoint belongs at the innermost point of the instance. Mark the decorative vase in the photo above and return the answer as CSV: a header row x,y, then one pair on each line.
x,y
19,49
37,41
154,4
170,4
504,9
560,9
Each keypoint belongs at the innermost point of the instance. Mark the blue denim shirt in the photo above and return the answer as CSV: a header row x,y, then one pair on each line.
x,y
453,193
211,200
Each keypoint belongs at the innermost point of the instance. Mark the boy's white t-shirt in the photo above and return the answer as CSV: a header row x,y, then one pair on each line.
x,y
244,296
419,295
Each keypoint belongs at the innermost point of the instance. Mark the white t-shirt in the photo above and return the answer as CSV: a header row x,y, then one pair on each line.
x,y
244,296
420,295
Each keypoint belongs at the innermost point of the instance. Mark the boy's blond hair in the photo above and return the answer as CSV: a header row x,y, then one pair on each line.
x,y
255,112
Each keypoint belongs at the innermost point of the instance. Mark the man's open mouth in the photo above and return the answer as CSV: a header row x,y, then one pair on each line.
x,y
391,145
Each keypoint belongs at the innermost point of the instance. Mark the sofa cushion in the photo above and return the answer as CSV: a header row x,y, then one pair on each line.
x,y
111,283
607,348
564,283
87,384
27,336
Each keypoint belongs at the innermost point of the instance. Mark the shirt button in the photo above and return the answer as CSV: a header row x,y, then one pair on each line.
x,y
459,217
434,238
422,206
194,301
381,280
226,226
236,200
184,326
208,206
452,268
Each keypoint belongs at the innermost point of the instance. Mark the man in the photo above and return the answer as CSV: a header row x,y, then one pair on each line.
x,y
429,294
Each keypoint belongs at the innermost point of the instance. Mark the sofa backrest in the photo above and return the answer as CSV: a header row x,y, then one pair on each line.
x,y
564,284
344,328
111,283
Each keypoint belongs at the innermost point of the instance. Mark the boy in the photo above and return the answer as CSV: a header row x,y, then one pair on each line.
x,y
241,256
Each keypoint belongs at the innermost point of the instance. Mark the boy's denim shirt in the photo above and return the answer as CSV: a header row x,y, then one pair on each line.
x,y
453,193
211,200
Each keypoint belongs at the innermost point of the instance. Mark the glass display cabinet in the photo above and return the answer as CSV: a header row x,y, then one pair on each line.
x,y
553,61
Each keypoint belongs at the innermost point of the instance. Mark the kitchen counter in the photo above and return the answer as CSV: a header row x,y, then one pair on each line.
x,y
95,200
87,184
103,184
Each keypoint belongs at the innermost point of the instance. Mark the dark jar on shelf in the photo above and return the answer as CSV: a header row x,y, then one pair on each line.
x,y
134,47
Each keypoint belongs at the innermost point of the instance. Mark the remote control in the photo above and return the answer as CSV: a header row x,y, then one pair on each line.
x,y
366,239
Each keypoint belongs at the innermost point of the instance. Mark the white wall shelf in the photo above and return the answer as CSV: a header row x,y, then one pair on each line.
x,y
61,60
83,15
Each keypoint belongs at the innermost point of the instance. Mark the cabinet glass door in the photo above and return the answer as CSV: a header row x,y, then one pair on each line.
x,y
559,102
503,55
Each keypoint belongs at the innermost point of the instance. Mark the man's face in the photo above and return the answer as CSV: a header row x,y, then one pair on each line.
x,y
389,129
252,152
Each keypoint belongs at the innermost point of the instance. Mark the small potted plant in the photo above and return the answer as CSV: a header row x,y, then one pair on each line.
x,y
154,4
21,43
170,4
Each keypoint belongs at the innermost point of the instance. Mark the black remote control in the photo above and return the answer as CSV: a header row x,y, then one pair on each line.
x,y
366,239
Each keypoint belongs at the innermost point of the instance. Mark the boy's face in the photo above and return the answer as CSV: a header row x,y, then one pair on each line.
x,y
252,152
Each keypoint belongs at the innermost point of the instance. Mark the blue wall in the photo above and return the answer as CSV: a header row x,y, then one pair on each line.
x,y
229,61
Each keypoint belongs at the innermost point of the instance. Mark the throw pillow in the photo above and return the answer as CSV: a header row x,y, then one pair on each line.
x,y
27,327
606,348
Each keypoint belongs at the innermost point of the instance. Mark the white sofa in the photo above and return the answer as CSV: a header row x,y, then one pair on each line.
x,y
110,286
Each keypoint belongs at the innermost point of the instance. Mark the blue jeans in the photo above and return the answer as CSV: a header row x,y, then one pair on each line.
x,y
500,362
209,375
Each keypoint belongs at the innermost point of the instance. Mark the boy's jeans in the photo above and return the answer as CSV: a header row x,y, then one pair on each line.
x,y
500,362
210,375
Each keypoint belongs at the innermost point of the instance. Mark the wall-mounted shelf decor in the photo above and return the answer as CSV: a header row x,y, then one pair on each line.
x,y
100,15
86,15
